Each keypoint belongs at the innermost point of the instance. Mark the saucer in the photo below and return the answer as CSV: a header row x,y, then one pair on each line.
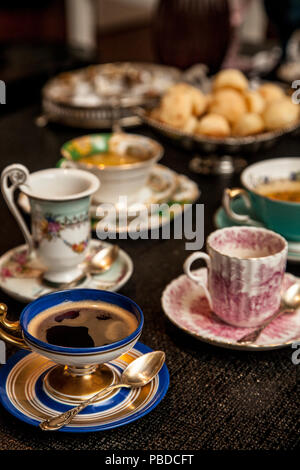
x,y
221,220
21,279
186,192
164,186
23,395
186,306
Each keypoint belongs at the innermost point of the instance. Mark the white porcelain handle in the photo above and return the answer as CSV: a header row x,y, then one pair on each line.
x,y
187,269
17,175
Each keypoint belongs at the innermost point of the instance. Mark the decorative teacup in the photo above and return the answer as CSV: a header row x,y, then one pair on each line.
x,y
123,179
80,372
278,215
60,201
245,271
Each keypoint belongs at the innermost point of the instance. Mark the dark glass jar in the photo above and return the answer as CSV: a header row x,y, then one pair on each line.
x,y
186,32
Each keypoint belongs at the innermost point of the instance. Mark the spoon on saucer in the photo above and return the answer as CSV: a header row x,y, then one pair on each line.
x,y
137,374
289,302
100,262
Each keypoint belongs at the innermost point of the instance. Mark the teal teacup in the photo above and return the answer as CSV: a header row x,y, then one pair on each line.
x,y
278,215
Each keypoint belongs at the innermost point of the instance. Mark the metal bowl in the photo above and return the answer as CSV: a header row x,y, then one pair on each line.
x,y
230,145
120,108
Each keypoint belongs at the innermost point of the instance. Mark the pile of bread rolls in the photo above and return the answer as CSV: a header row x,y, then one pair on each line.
x,y
231,109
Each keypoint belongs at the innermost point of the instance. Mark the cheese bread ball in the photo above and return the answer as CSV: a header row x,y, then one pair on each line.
x,y
213,125
281,113
199,101
196,96
248,124
254,101
228,103
230,78
271,92
176,108
190,125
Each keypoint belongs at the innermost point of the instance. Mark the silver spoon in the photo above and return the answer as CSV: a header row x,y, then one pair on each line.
x,y
289,302
99,263
102,260
137,374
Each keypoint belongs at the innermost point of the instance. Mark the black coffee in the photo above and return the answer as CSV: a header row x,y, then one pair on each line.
x,y
84,324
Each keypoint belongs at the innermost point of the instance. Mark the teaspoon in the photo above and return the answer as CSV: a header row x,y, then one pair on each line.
x,y
100,262
289,302
137,374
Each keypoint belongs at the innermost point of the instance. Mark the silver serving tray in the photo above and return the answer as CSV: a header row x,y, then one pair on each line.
x,y
121,109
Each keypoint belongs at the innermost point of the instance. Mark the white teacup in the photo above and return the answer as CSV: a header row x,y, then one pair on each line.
x,y
60,201
125,179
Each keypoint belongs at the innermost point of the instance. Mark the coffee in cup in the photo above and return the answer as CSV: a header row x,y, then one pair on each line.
x,y
83,324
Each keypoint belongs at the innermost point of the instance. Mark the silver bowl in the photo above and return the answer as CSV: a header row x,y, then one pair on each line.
x,y
228,145
114,108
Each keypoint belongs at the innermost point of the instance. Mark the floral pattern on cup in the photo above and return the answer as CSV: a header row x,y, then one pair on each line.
x,y
49,228
237,306
246,266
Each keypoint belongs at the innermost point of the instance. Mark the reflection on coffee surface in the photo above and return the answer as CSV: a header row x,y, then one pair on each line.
x,y
83,324
283,190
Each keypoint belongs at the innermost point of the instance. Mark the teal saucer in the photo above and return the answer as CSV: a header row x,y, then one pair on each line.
x,y
221,220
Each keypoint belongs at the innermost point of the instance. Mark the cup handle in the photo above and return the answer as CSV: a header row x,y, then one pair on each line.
x,y
228,196
10,331
17,174
66,163
187,269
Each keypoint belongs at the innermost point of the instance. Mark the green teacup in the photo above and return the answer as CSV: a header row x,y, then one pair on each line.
x,y
281,216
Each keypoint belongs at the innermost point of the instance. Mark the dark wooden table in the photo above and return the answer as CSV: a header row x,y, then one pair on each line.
x,y
218,399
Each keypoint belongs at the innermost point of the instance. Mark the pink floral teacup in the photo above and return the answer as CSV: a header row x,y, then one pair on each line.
x,y
59,201
245,271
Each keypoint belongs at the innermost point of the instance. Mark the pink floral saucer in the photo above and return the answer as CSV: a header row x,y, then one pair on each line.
x,y
20,277
186,306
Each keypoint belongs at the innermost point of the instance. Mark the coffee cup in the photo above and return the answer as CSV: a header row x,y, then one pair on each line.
x,y
282,216
60,224
80,371
245,272
120,179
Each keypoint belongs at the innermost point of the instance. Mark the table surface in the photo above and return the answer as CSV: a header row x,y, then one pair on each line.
x,y
218,399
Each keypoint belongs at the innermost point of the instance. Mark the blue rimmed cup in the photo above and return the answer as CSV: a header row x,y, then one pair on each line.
x,y
280,216
79,373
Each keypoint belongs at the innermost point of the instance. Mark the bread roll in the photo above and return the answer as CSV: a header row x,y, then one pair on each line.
x,y
230,78
271,92
254,101
281,113
228,103
176,108
248,124
213,125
